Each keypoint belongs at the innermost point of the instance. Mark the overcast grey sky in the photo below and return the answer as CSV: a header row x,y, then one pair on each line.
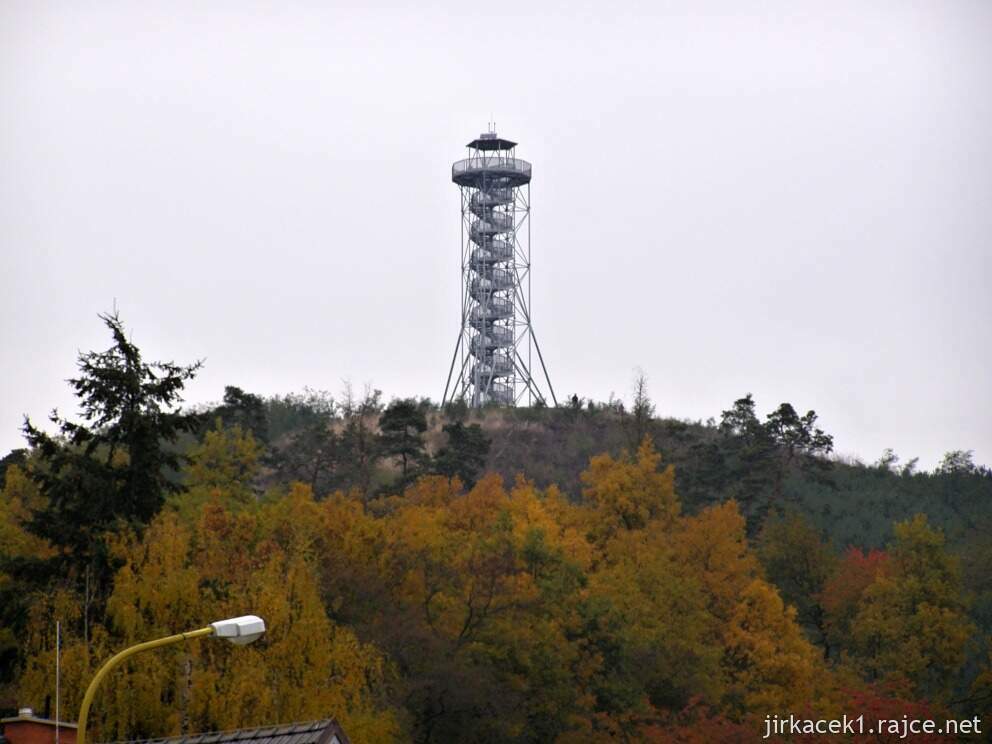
x,y
789,199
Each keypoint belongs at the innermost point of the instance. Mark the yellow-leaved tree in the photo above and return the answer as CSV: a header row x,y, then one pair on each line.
x,y
178,577
767,663
222,466
629,492
911,625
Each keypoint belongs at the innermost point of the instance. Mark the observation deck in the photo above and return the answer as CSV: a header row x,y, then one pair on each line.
x,y
492,170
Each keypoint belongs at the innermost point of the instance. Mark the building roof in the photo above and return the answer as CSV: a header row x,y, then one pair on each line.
x,y
489,141
326,731
23,717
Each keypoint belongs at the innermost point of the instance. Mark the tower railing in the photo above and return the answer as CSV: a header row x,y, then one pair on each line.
x,y
493,163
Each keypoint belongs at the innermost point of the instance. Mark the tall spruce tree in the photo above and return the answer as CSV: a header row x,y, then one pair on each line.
x,y
113,469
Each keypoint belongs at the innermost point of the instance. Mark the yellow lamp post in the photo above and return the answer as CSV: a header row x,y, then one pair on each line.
x,y
239,630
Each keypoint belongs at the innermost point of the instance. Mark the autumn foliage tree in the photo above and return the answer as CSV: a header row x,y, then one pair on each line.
x,y
799,562
841,594
178,576
911,624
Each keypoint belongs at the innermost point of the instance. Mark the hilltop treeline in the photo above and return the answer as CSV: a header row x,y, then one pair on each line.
x,y
587,572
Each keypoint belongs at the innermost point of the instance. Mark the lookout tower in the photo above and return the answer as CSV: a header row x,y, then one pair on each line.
x,y
496,345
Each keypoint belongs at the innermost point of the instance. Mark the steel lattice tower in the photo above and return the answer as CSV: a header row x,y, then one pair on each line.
x,y
496,338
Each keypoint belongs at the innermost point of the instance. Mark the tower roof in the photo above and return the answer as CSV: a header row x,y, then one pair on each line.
x,y
489,141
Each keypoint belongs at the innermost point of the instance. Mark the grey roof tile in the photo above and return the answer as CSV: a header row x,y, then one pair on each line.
x,y
305,732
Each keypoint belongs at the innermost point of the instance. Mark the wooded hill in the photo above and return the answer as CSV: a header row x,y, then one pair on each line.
x,y
772,464
589,572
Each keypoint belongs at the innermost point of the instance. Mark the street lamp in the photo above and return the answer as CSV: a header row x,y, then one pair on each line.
x,y
239,630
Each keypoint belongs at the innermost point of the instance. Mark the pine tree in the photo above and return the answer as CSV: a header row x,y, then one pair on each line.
x,y
402,425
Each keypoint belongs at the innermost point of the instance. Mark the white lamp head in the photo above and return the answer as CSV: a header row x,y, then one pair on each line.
x,y
240,630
